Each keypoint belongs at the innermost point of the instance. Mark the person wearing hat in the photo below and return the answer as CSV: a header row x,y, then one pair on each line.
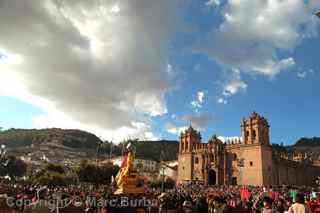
x,y
187,206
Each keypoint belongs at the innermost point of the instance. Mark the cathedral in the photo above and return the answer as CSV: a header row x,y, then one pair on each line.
x,y
250,160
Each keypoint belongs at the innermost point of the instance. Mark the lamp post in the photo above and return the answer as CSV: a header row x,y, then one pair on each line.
x,y
3,161
162,167
162,178
97,152
318,181
2,150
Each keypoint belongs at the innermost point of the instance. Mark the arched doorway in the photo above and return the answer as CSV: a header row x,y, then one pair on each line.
x,y
212,177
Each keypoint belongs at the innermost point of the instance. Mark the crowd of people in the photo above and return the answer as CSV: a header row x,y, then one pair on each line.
x,y
191,198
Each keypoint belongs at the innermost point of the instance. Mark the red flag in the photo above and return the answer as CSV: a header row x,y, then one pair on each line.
x,y
244,194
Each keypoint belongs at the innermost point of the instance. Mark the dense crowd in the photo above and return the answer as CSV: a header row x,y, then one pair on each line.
x,y
192,198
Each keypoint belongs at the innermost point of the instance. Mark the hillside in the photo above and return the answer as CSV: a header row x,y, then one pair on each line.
x,y
157,150
61,142
69,138
69,142
308,142
302,143
304,149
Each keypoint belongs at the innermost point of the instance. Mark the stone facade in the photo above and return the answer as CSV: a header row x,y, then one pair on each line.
x,y
250,160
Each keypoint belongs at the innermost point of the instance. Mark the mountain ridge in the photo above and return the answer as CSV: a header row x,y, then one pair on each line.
x,y
83,141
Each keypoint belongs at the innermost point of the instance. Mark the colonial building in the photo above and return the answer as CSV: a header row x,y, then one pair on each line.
x,y
141,165
250,160
169,169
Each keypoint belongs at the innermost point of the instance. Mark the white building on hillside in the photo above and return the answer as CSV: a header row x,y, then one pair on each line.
x,y
169,169
139,164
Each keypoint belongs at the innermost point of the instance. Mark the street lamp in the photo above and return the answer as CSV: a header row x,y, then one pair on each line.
x,y
2,150
97,151
3,161
162,167
162,177
318,181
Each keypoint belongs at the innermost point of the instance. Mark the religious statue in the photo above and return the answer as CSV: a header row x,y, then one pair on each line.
x,y
127,180
126,166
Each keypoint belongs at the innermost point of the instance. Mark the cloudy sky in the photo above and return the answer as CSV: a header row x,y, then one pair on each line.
x,y
148,68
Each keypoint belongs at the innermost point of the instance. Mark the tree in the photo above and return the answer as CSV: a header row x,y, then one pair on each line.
x,y
12,166
55,168
55,179
308,142
53,175
96,175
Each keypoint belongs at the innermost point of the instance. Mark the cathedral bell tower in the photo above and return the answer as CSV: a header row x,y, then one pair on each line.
x,y
189,141
255,130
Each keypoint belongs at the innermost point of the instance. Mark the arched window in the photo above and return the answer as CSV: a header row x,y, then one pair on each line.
x,y
247,134
254,135
196,160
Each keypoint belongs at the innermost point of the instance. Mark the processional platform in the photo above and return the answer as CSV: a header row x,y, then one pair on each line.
x,y
132,184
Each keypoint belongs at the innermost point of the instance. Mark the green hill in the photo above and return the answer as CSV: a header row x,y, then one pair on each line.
x,y
70,138
156,150
85,141
303,145
308,142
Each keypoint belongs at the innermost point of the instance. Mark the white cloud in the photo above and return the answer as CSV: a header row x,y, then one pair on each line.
x,y
115,9
200,95
222,101
234,84
197,103
7,58
253,32
229,139
233,87
170,69
271,69
170,128
198,120
213,3
58,119
302,74
91,64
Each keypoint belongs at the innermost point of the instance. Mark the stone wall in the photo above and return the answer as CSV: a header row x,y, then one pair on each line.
x,y
294,173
